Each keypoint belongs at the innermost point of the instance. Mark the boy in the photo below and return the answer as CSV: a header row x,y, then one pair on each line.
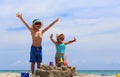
x,y
36,48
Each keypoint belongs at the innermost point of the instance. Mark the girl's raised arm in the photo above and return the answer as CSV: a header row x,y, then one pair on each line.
x,y
71,41
51,38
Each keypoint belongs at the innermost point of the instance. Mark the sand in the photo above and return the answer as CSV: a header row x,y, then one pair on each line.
x,y
18,75
63,71
9,75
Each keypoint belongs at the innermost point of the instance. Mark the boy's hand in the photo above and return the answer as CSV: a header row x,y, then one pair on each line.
x,y
57,20
19,15
51,36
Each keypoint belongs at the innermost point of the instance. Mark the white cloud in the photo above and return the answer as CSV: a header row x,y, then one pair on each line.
x,y
94,23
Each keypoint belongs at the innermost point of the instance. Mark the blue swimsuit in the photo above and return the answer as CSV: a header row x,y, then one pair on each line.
x,y
60,50
36,54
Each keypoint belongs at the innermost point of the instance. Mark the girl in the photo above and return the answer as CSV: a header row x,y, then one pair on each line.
x,y
60,46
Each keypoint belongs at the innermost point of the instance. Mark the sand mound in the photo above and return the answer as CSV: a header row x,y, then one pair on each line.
x,y
54,71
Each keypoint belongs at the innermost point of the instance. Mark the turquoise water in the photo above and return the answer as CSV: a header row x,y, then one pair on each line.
x,y
98,72
14,71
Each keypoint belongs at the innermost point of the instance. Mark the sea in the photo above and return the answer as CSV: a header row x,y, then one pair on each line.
x,y
97,72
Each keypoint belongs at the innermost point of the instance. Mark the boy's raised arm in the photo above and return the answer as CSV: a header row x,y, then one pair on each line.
x,y
50,25
19,15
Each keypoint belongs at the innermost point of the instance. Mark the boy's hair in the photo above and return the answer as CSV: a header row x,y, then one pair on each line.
x,y
36,21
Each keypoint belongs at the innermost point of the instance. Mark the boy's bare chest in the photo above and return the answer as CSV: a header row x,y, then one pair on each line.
x,y
37,34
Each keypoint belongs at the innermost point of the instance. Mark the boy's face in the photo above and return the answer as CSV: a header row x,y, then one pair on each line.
x,y
37,25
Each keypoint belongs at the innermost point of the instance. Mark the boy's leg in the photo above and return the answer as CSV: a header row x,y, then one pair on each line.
x,y
38,65
32,67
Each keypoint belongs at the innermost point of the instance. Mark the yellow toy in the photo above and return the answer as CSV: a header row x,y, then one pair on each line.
x,y
118,75
61,60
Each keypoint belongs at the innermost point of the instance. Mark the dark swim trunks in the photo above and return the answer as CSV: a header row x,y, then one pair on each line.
x,y
36,54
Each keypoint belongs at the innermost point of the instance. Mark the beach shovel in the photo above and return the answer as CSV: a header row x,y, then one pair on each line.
x,y
61,60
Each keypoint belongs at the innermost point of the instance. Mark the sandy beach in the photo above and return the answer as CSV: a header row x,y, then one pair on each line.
x,y
9,75
18,75
92,75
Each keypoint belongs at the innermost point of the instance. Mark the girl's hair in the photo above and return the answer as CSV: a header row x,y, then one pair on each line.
x,y
59,34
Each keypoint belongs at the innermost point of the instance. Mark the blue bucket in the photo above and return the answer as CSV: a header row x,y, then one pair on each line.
x,y
102,74
24,74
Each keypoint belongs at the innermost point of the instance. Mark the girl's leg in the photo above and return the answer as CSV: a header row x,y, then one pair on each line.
x,y
57,60
38,65
32,67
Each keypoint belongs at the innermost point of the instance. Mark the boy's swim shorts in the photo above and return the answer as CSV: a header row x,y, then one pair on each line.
x,y
36,54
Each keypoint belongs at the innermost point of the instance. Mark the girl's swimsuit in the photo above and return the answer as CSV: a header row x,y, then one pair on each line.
x,y
60,50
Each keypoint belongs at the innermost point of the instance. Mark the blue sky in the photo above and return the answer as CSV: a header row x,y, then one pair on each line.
x,y
95,24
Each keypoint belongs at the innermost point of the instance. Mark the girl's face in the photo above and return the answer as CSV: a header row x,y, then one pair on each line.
x,y
61,38
37,25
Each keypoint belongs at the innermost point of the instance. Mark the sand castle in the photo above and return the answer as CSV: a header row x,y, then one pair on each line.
x,y
55,71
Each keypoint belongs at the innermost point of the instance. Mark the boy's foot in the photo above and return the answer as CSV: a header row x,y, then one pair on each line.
x,y
33,75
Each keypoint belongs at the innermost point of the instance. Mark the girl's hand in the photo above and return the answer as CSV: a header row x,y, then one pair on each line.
x,y
19,15
51,36
74,39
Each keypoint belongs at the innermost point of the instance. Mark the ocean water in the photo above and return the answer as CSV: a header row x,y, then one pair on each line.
x,y
14,71
97,72
100,72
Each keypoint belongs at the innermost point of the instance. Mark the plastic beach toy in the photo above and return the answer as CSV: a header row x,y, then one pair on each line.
x,y
65,64
118,75
61,60
65,61
25,74
102,74
51,64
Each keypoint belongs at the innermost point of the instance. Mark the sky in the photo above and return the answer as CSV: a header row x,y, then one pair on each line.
x,y
95,24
